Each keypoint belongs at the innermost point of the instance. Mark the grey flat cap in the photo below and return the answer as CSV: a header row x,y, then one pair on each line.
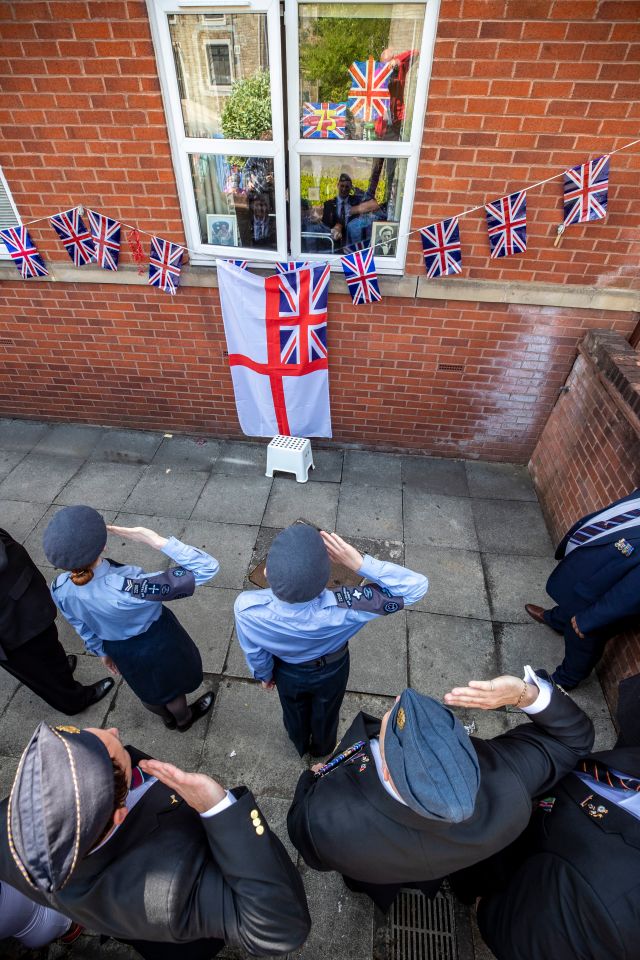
x,y
74,537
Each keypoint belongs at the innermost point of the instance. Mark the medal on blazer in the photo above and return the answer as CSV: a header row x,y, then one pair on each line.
x,y
345,755
625,548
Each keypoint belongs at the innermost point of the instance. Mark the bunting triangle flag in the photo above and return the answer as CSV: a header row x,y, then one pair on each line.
x,y
586,191
360,273
23,252
441,248
165,263
76,238
106,239
507,225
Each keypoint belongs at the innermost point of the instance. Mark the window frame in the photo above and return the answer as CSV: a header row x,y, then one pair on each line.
x,y
182,146
4,253
227,44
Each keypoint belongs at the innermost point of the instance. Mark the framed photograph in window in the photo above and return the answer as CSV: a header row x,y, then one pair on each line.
x,y
384,237
222,229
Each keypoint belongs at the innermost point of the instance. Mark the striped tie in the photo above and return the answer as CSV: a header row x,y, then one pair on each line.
x,y
602,774
138,778
602,526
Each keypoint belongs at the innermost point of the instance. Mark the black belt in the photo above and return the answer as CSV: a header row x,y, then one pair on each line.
x,y
329,658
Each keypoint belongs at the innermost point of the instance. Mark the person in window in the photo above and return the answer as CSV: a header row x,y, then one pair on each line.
x,y
390,128
257,226
349,203
315,236
386,245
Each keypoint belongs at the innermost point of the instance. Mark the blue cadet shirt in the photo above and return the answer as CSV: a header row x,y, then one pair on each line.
x,y
297,632
122,601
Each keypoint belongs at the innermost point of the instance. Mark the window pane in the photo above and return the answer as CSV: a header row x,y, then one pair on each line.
x,y
222,72
349,204
235,200
384,39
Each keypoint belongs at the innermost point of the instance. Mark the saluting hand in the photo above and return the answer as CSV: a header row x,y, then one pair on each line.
x,y
197,789
342,552
140,535
491,694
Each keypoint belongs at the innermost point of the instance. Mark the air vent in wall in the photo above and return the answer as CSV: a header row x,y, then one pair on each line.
x,y
453,367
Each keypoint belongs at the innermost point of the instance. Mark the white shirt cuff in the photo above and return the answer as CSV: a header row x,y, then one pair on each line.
x,y
220,806
544,696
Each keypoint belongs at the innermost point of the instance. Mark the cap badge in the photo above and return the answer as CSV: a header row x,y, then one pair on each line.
x,y
401,718
63,728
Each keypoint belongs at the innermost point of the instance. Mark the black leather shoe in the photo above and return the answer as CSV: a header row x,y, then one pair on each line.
x,y
72,660
199,708
100,690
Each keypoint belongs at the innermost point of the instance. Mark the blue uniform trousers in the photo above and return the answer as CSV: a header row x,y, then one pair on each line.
x,y
311,696
580,656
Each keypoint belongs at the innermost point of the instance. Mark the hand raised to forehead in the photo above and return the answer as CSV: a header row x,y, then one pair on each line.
x,y
490,694
198,790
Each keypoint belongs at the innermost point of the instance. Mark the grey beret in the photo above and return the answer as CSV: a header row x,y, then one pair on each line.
x,y
298,566
61,801
431,759
74,537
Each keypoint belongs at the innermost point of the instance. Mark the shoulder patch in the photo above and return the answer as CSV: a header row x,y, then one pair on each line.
x,y
371,598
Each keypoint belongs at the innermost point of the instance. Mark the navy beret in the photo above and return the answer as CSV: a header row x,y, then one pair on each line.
x,y
74,538
61,801
431,759
298,566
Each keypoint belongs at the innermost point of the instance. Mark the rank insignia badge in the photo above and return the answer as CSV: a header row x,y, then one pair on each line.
x,y
624,547
401,718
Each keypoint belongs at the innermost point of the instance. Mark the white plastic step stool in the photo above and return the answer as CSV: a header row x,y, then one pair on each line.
x,y
291,455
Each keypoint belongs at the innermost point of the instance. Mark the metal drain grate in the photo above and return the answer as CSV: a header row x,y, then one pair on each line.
x,y
422,929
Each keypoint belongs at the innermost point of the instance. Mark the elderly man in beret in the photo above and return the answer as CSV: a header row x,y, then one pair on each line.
x,y
407,800
166,861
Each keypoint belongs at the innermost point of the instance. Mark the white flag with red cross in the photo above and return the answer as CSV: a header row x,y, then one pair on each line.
x,y
276,330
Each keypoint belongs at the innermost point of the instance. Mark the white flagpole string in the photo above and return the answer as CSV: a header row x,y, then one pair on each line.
x,y
410,233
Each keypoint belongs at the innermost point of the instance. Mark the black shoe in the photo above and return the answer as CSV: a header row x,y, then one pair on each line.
x,y
72,660
199,708
100,690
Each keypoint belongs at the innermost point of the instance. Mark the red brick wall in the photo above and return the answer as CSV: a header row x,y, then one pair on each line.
x,y
518,92
589,455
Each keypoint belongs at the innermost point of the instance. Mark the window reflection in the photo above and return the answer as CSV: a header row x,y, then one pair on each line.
x,y
235,200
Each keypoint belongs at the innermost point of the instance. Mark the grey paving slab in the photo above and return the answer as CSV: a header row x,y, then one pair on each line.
x,y
434,475
33,542
247,721
230,543
126,446
172,493
445,652
290,500
532,643
500,481
374,512
372,469
590,697
456,580
208,618
354,703
128,551
236,665
68,637
38,477
236,457
8,686
327,466
187,453
69,440
8,460
431,518
26,710
144,730
233,499
513,581
379,656
511,526
101,485
341,921
21,434
19,517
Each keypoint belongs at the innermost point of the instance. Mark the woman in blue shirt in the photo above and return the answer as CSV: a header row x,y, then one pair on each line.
x,y
118,611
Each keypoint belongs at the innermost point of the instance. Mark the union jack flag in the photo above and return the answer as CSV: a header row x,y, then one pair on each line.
x,y
74,235
441,248
324,121
23,252
316,343
243,264
369,94
106,239
296,290
165,263
586,191
291,265
507,225
360,273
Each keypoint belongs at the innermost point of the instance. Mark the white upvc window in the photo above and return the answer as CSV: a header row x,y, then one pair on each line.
x,y
9,216
350,187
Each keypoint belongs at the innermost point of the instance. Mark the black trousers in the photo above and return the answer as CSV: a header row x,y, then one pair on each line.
x,y
41,664
311,697
580,655
195,950
383,894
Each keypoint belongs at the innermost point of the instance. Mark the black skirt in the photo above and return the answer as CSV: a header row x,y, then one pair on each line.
x,y
160,663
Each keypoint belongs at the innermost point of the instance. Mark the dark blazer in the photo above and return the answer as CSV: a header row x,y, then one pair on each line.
x,y
596,582
576,893
26,607
171,876
346,821
330,208
247,234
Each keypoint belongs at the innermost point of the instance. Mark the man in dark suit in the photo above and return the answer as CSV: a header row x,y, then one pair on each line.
x,y
166,861
257,227
349,203
29,646
596,586
408,800
568,887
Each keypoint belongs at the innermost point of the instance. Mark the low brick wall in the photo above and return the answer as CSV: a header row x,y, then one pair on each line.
x,y
589,455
